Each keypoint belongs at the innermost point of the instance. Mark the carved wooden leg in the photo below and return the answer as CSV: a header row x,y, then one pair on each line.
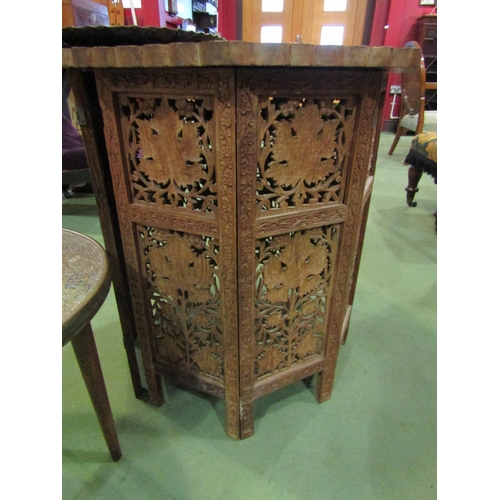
x,y
88,360
155,390
233,417
326,378
414,175
324,387
246,419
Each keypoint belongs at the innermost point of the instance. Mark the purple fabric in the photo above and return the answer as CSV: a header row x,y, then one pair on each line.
x,y
73,152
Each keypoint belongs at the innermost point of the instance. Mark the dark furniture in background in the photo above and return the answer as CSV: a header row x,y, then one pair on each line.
x,y
422,157
427,39
75,170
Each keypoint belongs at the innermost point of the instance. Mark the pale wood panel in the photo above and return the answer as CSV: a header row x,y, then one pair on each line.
x,y
116,12
297,19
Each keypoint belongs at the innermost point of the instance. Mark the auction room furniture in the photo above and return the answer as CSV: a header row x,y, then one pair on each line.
x,y
413,116
74,178
240,179
426,36
75,170
422,157
85,285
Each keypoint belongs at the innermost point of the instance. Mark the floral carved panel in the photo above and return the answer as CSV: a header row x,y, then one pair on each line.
x,y
169,150
304,150
184,297
171,144
293,282
305,142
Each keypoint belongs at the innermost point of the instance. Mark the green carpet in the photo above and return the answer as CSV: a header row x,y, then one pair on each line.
x,y
374,439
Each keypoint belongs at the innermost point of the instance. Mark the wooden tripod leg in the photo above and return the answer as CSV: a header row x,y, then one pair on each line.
x,y
88,360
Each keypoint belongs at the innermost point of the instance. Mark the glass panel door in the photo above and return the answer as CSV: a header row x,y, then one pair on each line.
x,y
321,22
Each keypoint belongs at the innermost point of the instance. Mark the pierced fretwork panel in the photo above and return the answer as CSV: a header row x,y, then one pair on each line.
x,y
184,294
304,148
170,153
294,273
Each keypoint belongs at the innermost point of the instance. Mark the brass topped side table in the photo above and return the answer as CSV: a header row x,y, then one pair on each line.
x,y
85,285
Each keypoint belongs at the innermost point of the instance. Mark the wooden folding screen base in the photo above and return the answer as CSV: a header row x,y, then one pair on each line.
x,y
241,177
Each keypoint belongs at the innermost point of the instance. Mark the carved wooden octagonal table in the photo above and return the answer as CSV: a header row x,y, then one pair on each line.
x,y
233,182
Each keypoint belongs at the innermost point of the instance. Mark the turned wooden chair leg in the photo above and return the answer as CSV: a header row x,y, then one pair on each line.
x,y
414,175
399,132
88,360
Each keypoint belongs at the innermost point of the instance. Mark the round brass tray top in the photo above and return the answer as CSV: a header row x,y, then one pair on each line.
x,y
85,281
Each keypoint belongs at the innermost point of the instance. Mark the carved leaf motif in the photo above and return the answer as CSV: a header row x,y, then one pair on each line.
x,y
179,271
168,147
309,308
274,320
170,349
308,345
298,266
303,148
270,360
207,361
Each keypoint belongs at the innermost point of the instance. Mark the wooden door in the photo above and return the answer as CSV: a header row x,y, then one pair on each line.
x,y
320,22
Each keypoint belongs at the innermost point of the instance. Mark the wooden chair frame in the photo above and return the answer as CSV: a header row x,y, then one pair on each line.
x,y
412,99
